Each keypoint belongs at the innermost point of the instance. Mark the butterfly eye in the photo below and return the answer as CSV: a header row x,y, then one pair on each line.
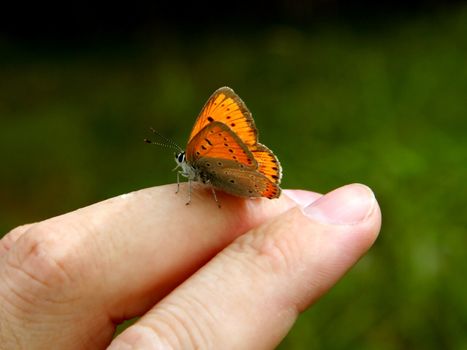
x,y
180,157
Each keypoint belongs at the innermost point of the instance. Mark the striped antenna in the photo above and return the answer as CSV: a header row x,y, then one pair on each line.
x,y
166,142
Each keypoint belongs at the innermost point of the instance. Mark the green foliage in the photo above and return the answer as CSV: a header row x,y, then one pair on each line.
x,y
338,104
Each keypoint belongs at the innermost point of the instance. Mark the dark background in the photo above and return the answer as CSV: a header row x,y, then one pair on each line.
x,y
341,92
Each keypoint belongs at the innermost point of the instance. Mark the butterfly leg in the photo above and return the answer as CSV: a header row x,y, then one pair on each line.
x,y
178,182
215,196
189,192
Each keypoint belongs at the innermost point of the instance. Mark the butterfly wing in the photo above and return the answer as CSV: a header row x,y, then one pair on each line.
x,y
226,106
232,178
217,141
268,164
223,146
248,184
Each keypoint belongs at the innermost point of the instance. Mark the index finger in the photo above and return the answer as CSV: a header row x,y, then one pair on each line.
x,y
131,250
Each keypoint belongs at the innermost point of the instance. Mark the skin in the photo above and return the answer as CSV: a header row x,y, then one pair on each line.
x,y
200,277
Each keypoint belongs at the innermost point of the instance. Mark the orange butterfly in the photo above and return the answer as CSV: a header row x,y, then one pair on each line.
x,y
223,151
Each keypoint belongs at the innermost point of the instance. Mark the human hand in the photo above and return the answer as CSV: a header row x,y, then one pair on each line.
x,y
201,277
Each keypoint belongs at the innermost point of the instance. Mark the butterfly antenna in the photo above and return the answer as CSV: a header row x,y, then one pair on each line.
x,y
158,143
168,142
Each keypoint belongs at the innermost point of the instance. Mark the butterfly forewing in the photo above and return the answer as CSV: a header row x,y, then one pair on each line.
x,y
216,140
225,106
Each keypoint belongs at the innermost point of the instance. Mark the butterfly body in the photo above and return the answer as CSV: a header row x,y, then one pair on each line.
x,y
223,150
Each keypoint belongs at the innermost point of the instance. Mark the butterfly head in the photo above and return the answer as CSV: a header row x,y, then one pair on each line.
x,y
187,169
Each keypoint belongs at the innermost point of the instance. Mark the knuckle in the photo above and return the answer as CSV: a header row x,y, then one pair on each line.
x,y
40,258
12,236
37,273
18,231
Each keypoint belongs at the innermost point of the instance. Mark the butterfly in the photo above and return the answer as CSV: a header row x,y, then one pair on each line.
x,y
223,151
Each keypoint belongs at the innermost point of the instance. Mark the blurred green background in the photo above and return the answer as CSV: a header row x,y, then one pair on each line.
x,y
365,97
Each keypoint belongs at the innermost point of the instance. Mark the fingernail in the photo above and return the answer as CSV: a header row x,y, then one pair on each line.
x,y
347,205
301,197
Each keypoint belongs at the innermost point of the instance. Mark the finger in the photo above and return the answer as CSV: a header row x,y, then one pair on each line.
x,y
302,197
115,259
250,294
11,237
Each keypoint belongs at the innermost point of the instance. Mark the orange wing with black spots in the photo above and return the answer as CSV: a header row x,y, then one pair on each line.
x,y
226,107
268,164
272,191
216,140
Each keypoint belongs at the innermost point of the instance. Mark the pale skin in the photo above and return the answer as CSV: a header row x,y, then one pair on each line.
x,y
201,277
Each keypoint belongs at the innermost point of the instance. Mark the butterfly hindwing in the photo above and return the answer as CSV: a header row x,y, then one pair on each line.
x,y
237,180
268,164
227,107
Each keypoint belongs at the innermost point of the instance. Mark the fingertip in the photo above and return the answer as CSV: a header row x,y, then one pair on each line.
x,y
355,213
347,205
